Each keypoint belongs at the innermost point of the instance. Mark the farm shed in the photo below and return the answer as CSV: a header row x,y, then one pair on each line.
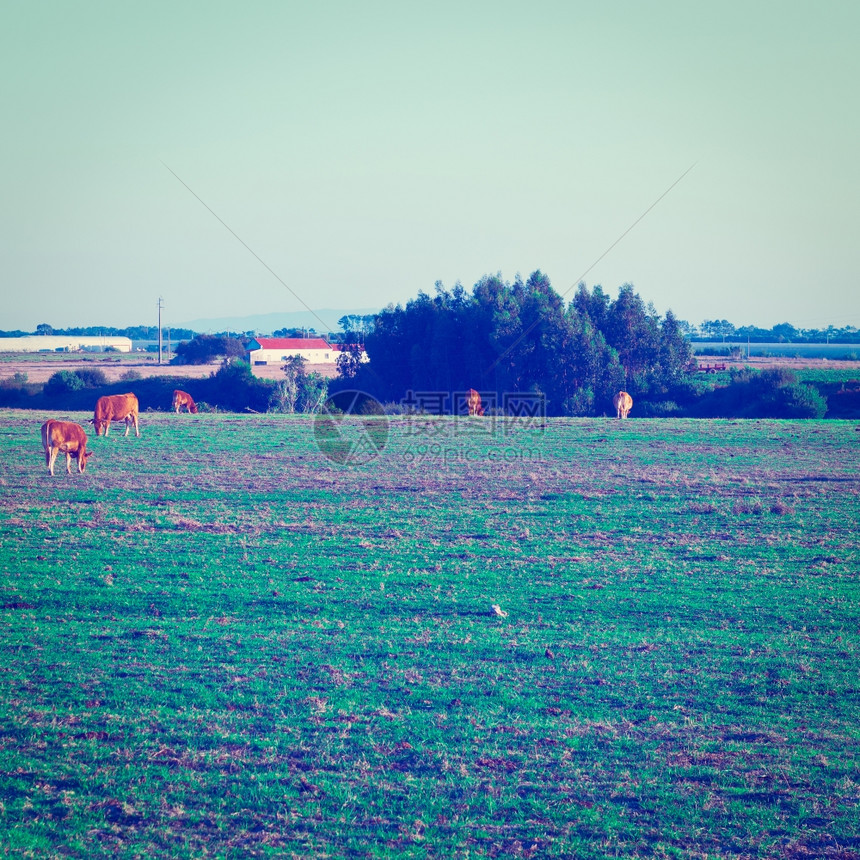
x,y
64,343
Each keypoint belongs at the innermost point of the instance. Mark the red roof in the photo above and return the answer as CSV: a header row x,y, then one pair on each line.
x,y
293,343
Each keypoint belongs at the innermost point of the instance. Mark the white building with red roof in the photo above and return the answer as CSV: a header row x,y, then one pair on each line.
x,y
274,350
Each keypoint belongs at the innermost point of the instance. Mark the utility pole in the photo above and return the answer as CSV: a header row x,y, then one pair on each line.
x,y
160,306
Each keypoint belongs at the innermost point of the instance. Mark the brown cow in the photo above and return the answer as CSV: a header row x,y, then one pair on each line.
x,y
183,398
623,403
67,437
116,407
474,402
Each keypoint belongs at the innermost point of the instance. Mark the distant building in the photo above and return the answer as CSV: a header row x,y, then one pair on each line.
x,y
274,350
64,343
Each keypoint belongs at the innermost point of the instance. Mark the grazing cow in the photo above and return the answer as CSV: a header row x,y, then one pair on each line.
x,y
67,437
623,403
116,407
474,402
183,398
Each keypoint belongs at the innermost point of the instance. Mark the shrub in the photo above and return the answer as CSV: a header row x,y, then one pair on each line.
x,y
802,401
235,387
63,382
286,392
283,396
369,406
660,409
17,391
772,393
299,390
92,377
581,402
313,391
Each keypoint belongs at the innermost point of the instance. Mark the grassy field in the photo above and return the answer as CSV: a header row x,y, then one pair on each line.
x,y
217,642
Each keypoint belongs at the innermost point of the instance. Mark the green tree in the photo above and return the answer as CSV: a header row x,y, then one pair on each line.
x,y
63,382
298,390
205,348
675,355
784,332
591,368
348,359
594,304
92,377
313,391
235,387
286,392
633,331
717,329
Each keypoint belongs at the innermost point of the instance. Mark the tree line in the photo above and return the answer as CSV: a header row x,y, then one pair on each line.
x,y
723,330
135,332
522,336
233,387
353,325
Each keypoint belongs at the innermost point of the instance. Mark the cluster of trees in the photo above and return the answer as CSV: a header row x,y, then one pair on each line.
x,y
523,337
206,348
298,391
354,327
295,332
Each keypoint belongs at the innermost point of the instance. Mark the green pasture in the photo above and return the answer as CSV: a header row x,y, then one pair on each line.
x,y
218,642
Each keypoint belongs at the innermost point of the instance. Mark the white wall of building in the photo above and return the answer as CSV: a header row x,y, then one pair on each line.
x,y
63,343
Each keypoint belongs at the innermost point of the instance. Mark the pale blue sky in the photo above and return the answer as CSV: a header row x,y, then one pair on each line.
x,y
366,150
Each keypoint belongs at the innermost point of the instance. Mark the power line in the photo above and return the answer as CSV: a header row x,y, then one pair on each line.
x,y
537,322
253,253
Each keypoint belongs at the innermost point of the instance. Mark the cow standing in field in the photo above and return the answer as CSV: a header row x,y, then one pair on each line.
x,y
68,438
623,403
116,407
183,398
474,403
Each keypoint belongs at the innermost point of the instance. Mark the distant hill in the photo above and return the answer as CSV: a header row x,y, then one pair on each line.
x,y
323,321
